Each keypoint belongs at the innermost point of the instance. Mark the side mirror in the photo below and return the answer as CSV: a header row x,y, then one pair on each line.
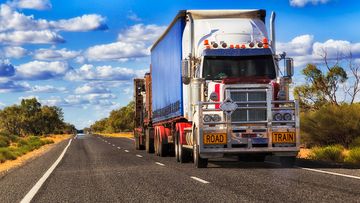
x,y
185,71
289,65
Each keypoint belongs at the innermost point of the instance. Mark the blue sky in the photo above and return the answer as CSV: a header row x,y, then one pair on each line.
x,y
82,54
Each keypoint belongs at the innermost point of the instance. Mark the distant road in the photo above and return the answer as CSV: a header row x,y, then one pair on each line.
x,y
98,169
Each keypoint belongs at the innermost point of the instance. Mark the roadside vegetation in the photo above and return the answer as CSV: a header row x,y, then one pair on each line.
x,y
26,127
119,120
330,114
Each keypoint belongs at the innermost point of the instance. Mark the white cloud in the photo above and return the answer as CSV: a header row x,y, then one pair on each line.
x,y
302,3
7,85
11,20
31,4
81,100
40,70
105,73
14,52
92,88
132,16
47,89
304,50
52,54
30,37
132,43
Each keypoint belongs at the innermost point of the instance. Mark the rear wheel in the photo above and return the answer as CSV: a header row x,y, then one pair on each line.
x,y
287,161
163,147
149,143
177,145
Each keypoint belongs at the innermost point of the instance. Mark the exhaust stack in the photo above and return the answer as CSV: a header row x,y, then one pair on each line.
x,y
272,31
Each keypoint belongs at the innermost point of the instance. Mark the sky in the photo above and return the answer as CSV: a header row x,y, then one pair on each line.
x,y
82,55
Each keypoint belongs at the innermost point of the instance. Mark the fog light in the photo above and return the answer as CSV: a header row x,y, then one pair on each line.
x,y
287,117
207,118
277,117
216,118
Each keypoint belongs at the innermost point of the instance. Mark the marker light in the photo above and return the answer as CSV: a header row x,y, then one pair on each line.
x,y
266,43
237,46
208,47
224,45
243,46
206,42
215,45
252,44
231,46
260,44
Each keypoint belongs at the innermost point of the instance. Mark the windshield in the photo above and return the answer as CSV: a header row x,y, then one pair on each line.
x,y
222,67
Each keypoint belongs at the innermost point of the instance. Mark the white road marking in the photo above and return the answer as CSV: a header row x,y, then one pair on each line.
x,y
75,137
113,145
138,155
126,150
331,173
30,195
199,179
161,164
130,138
109,143
119,147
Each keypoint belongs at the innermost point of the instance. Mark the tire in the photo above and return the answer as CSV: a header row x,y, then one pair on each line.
x,y
149,143
287,161
156,144
184,155
198,161
258,158
177,145
163,148
137,143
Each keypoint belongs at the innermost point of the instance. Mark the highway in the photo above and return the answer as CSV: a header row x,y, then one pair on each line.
x,y
99,169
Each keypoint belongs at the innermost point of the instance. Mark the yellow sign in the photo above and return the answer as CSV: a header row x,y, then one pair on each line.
x,y
215,138
283,137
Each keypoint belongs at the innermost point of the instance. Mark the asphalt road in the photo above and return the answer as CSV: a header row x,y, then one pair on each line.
x,y
98,169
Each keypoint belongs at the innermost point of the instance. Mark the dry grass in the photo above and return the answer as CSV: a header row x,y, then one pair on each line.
x,y
124,134
304,153
10,164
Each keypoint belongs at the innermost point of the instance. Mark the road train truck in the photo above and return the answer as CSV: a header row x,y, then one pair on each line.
x,y
217,87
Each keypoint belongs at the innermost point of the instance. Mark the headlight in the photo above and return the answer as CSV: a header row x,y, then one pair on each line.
x,y
207,118
277,117
287,117
212,118
216,118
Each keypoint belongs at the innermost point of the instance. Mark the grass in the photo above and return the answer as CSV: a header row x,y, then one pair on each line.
x,y
123,134
21,147
332,153
353,156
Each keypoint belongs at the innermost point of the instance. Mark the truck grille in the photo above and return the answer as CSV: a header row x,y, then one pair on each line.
x,y
252,114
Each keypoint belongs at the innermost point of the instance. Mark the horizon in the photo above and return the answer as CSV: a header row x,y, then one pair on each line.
x,y
83,56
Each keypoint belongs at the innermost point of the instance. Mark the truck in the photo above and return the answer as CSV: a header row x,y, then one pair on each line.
x,y
216,88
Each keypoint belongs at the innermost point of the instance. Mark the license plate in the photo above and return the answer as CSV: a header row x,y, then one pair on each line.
x,y
215,138
283,137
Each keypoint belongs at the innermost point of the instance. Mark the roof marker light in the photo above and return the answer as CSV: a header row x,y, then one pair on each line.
x,y
265,42
224,45
208,47
237,46
206,42
243,46
260,44
231,46
252,44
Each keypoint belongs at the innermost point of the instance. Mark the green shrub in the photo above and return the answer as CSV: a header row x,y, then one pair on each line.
x,y
8,153
354,156
331,125
355,143
332,153
4,141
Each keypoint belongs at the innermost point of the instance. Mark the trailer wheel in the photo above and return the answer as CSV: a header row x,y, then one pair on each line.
x,y
287,161
149,143
137,143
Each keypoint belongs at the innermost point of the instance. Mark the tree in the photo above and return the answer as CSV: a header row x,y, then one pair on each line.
x,y
9,120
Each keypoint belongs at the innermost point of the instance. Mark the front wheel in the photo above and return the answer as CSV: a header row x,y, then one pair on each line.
x,y
198,161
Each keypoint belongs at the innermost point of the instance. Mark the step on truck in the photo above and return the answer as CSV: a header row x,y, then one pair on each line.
x,y
217,87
